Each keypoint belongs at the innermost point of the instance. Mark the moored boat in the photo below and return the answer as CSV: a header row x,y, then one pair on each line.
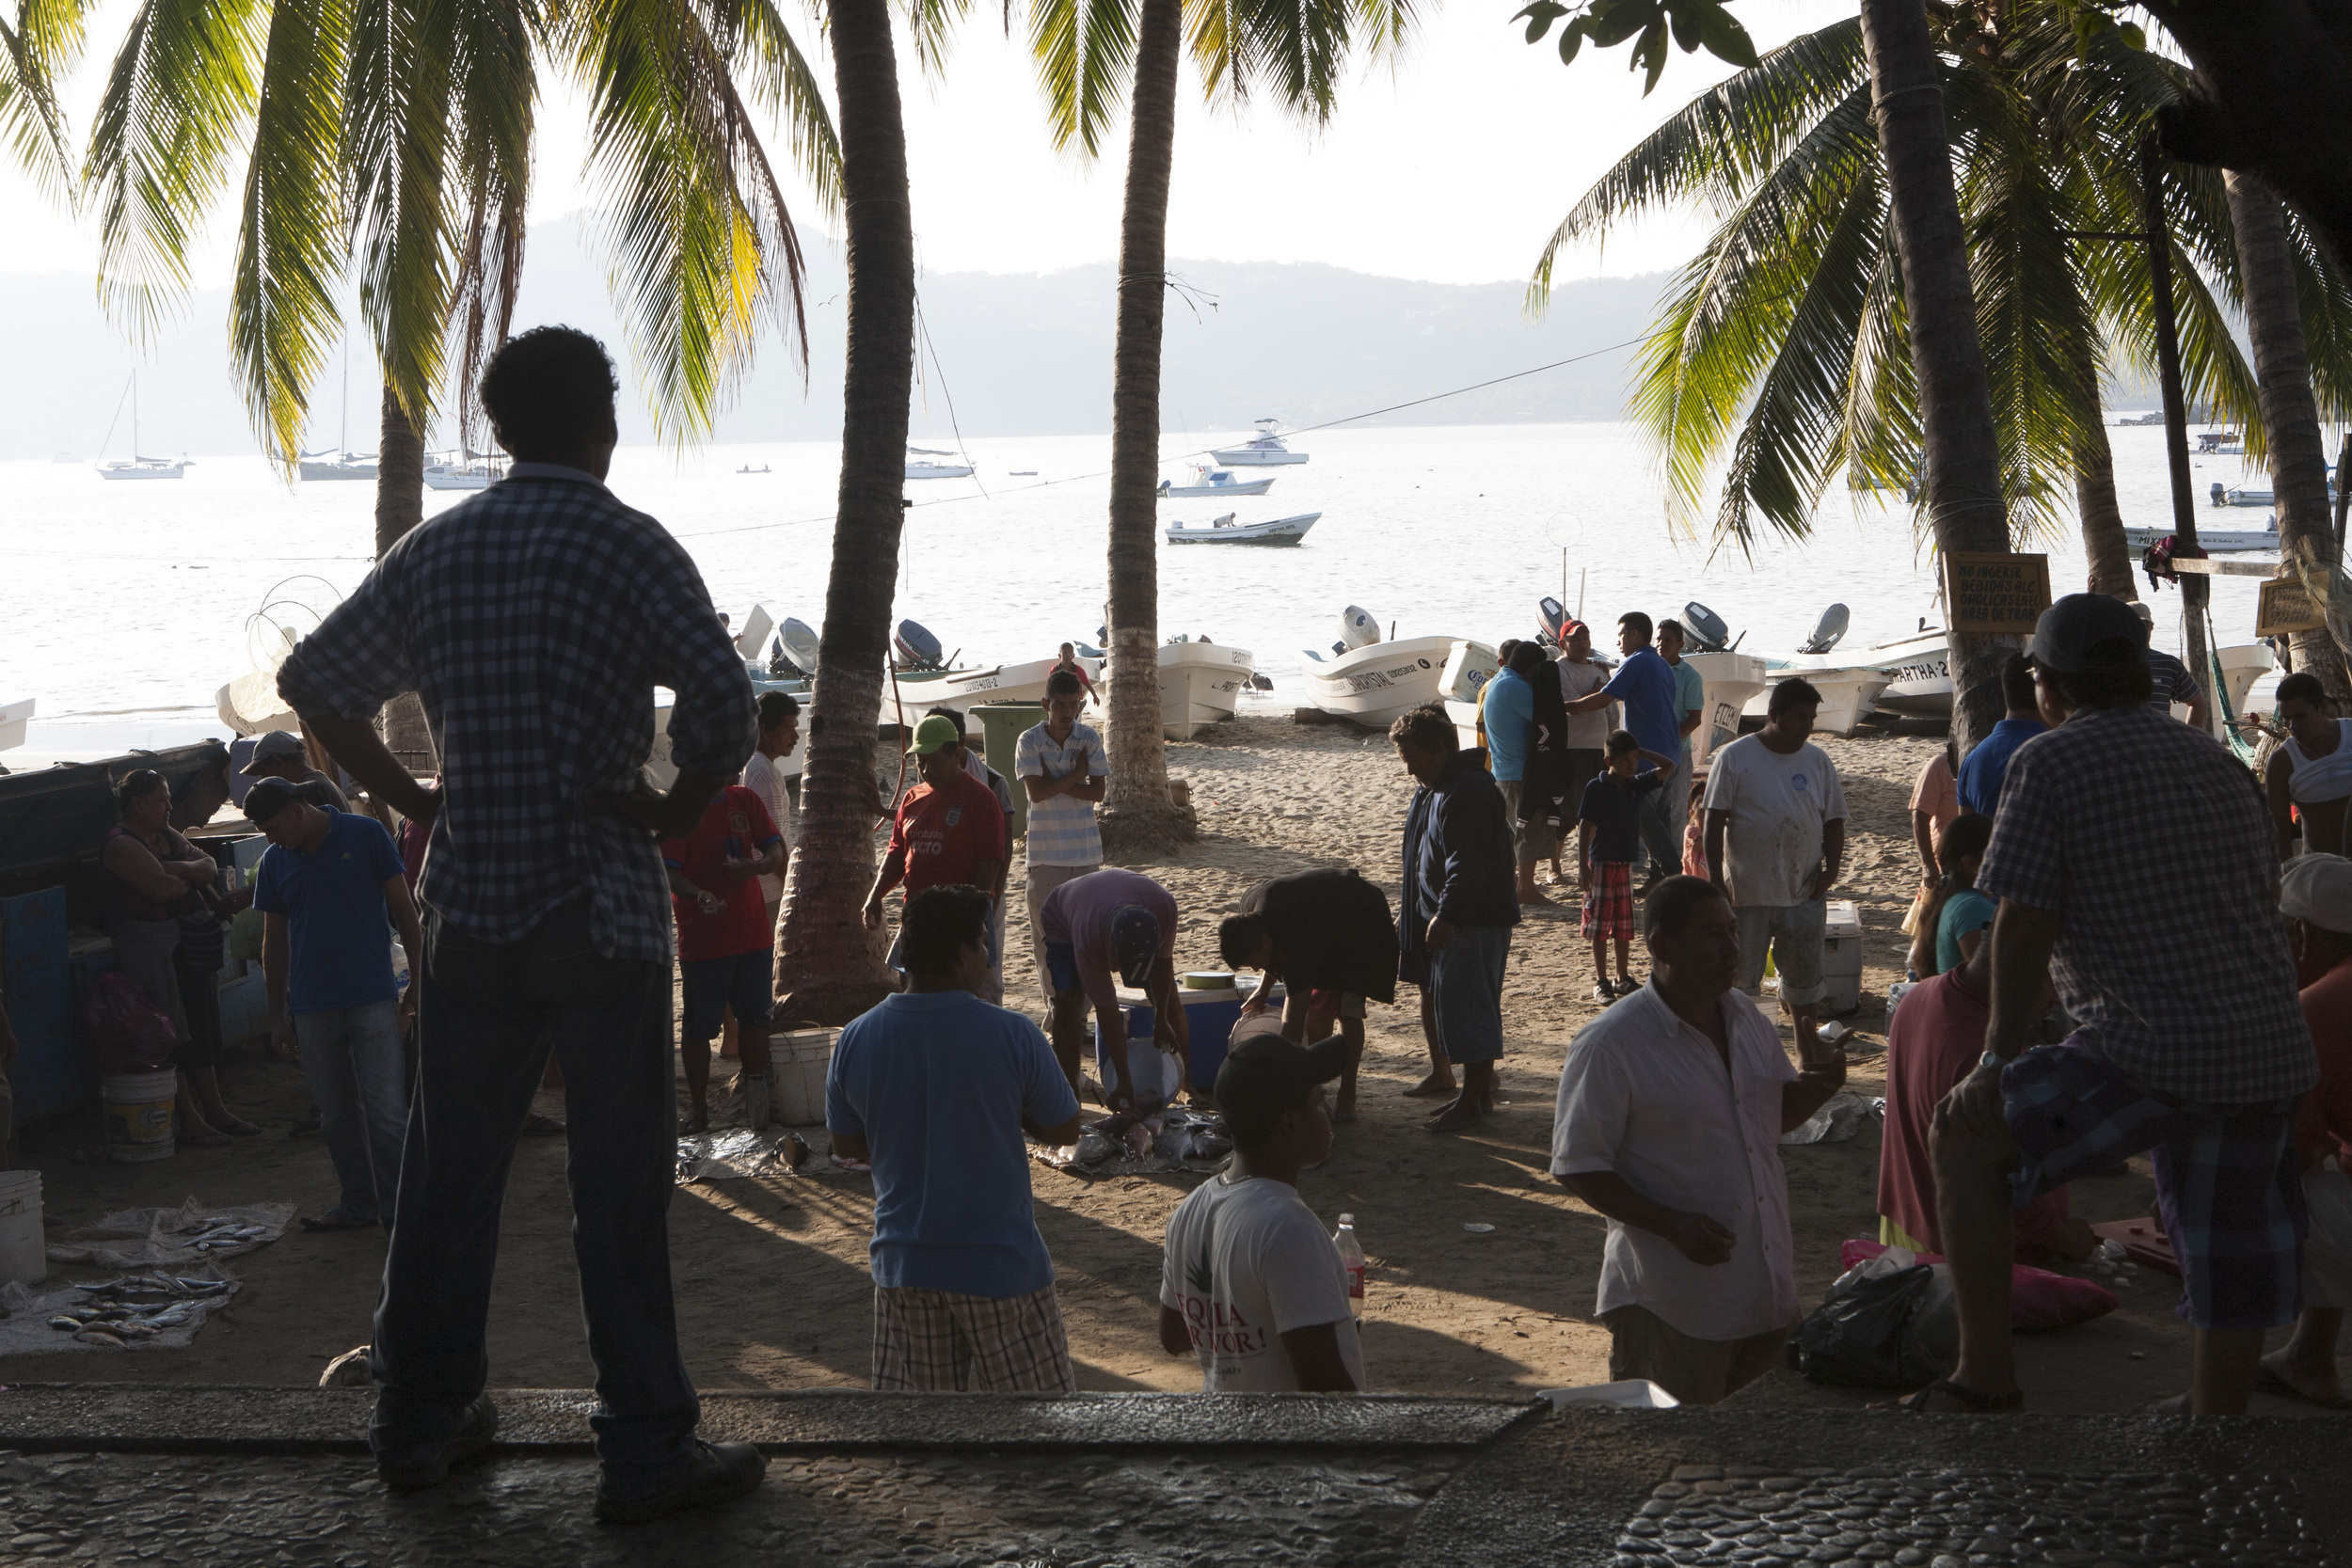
x,y
1267,449
1732,681
2212,539
1215,482
1201,684
1224,531
1375,683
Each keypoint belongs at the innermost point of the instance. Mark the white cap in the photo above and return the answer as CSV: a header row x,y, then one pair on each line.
x,y
2317,890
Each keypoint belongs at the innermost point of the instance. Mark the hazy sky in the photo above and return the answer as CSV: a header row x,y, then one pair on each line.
x,y
1454,166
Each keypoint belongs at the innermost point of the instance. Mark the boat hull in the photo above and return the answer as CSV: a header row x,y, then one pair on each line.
x,y
1003,683
1732,681
937,471
1243,457
1201,684
1376,685
1918,675
1252,487
167,470
1848,696
1281,531
315,473
2209,539
458,481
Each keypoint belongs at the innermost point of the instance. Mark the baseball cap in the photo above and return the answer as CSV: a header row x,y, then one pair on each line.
x,y
267,797
2317,890
2088,633
1135,939
1266,1075
276,744
935,732
2144,615
1571,627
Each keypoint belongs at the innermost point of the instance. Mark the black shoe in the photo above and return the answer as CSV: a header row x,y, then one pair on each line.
x,y
428,1464
716,1473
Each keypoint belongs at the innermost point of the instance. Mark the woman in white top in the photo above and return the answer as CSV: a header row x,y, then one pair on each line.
x,y
2311,773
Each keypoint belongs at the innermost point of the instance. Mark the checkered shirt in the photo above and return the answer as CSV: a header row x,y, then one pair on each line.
x,y
535,620
2153,845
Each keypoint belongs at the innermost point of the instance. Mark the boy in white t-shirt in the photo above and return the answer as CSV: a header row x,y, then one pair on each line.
x,y
1252,1283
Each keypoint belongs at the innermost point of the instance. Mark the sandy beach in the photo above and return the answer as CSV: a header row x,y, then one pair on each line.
x,y
770,1274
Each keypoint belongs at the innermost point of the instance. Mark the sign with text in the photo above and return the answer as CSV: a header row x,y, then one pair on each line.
x,y
1989,591
2286,606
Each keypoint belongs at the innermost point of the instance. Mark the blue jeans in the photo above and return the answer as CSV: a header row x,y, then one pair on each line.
x,y
358,1078
488,1015
1662,831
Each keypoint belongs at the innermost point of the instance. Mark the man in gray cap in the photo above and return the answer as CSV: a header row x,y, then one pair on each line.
x,y
2315,895
2188,1041
281,755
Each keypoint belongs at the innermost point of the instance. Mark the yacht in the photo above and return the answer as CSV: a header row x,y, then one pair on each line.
x,y
340,465
1215,482
1265,450
135,467
463,470
920,466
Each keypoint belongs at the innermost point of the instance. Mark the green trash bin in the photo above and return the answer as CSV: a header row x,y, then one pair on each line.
x,y
1001,725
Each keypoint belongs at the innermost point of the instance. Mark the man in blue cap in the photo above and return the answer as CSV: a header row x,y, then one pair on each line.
x,y
1103,928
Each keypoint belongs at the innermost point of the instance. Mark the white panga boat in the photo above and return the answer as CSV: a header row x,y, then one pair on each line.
x,y
1215,482
1224,531
921,467
2212,539
1731,680
1201,684
1373,683
1468,669
135,467
1918,674
1267,449
1000,682
1848,695
2220,443
2242,495
463,470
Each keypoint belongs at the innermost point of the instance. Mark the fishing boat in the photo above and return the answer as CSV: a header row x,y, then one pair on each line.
x,y
1849,695
135,467
747,468
1730,682
1201,684
1215,482
1918,674
1265,450
339,465
2220,443
1374,683
1000,682
2213,540
1224,531
2242,495
1468,669
921,467
463,470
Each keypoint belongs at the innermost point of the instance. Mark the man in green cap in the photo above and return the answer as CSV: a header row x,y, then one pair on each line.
x,y
949,829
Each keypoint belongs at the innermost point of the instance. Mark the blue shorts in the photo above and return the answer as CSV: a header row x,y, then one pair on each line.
x,y
1466,992
744,981
2229,1186
1061,967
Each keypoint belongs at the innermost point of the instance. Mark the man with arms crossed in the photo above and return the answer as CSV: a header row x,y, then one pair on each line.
x,y
1668,1124
2187,1036
1061,766
934,1088
1250,1281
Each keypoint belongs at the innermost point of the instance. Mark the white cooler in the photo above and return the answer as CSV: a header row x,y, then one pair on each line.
x,y
1841,959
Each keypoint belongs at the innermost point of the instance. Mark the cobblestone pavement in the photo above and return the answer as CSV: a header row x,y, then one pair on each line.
x,y
1758,1518
1194,1509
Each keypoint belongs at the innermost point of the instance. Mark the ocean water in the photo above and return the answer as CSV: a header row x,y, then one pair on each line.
x,y
128,604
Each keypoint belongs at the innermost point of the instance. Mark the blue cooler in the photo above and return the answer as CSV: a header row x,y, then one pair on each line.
x,y
1209,1018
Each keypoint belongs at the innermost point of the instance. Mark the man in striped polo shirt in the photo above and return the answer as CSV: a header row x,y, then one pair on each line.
x,y
1061,766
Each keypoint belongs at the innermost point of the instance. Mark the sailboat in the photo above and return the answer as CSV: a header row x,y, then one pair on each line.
x,y
135,467
347,464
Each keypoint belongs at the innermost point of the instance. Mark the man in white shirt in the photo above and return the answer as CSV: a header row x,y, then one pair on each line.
x,y
1252,1283
1061,766
1668,1124
763,775
1775,840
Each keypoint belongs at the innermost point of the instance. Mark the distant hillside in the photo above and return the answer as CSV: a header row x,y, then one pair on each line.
x,y
1018,355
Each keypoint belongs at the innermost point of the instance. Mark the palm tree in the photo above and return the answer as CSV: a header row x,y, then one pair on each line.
x,y
1088,52
1782,343
831,970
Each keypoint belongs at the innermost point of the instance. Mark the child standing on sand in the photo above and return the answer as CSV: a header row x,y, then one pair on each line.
x,y
1608,842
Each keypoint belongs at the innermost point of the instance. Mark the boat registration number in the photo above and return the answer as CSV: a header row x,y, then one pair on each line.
x,y
1371,680
1903,674
986,683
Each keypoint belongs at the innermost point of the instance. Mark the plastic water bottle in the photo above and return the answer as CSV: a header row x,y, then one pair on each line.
x,y
1352,1260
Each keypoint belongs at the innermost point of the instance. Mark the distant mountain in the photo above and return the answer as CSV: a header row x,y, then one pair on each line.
x,y
1014,354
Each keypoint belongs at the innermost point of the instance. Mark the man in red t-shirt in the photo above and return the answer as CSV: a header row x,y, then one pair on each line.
x,y
2315,895
725,948
949,829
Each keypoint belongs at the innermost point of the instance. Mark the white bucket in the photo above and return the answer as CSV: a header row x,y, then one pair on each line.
x,y
24,1254
796,1061
139,1108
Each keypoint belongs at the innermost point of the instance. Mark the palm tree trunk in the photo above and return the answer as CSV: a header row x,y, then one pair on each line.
x,y
830,967
2282,375
1138,811
1963,492
2096,507
400,507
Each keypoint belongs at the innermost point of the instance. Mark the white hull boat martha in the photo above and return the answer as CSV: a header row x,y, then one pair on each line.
x,y
1731,682
1215,482
2212,539
1918,674
1201,684
1224,531
1266,450
1373,686
1848,696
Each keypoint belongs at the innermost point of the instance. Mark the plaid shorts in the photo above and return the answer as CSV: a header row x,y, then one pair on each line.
x,y
1608,902
930,1342
2229,1185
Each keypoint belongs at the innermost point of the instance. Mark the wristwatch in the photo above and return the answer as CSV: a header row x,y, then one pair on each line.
x,y
1994,1060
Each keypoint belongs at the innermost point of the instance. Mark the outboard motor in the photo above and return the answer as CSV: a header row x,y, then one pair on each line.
x,y
2221,495
1826,631
1358,629
917,648
1704,630
1553,616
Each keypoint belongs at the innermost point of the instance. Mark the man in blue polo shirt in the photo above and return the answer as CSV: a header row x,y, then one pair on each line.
x,y
325,887
1645,683
1986,766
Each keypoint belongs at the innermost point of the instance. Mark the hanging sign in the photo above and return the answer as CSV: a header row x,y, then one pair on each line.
x,y
1986,590
2286,606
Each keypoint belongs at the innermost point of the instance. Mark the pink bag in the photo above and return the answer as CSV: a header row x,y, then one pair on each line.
x,y
131,1033
2038,1299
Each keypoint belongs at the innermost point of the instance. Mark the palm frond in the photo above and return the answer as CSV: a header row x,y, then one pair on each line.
x,y
292,229
493,105
31,122
2325,299
931,25
1295,49
775,76
397,161
1882,442
1085,62
175,105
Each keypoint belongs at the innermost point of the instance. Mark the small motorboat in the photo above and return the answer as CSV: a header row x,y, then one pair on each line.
x,y
1215,482
2212,539
2220,443
1201,684
2243,495
1918,674
463,470
1002,683
1023,473
1373,682
921,467
747,468
1265,450
1848,695
341,465
1224,531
